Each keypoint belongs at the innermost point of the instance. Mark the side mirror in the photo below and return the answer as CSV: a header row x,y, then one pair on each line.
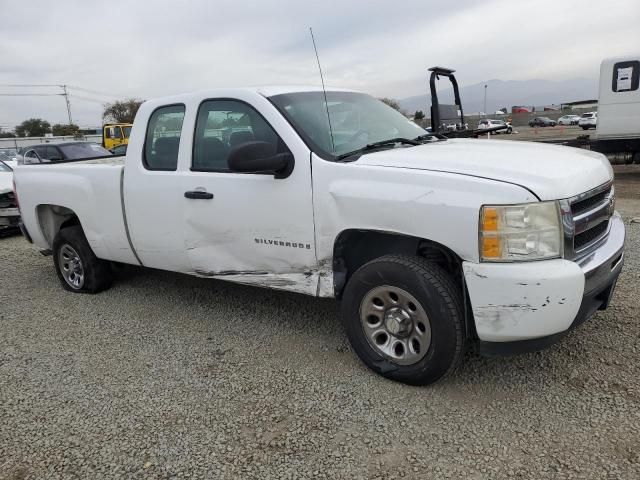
x,y
260,157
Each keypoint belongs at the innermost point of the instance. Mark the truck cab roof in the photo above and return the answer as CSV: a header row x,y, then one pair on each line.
x,y
235,92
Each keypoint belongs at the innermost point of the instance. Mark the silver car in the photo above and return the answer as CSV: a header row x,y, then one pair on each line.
x,y
569,120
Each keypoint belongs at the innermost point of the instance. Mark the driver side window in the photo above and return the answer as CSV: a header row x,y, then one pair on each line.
x,y
223,125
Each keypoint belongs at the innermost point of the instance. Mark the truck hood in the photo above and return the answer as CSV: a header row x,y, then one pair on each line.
x,y
551,172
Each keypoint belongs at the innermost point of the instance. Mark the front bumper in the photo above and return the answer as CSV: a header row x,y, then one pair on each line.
x,y
9,217
519,307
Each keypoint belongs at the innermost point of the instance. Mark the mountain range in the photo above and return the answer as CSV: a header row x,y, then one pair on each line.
x,y
506,93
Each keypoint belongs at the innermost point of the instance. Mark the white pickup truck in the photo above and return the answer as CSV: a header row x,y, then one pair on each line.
x,y
431,244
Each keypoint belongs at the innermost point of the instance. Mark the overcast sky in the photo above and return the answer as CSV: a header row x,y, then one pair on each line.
x,y
149,48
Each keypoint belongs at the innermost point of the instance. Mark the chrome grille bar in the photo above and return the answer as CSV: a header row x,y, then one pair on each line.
x,y
585,220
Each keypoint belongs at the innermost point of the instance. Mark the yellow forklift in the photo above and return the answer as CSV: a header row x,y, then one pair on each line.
x,y
115,134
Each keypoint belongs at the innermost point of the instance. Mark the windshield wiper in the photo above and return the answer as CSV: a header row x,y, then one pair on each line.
x,y
427,136
382,143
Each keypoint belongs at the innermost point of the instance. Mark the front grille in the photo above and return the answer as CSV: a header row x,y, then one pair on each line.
x,y
583,205
8,200
590,214
589,236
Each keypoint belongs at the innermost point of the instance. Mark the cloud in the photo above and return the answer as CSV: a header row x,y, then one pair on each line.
x,y
153,48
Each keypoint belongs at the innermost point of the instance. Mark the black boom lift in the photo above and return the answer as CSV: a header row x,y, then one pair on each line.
x,y
448,120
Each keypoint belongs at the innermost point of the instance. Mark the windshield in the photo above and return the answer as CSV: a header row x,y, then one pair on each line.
x,y
356,120
4,167
83,150
127,131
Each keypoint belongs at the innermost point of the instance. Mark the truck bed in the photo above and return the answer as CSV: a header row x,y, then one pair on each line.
x,y
90,189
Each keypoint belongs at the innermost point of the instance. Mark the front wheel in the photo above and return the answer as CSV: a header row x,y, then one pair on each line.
x,y
78,269
404,318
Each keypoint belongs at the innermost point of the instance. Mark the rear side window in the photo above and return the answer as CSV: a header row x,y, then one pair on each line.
x,y
53,153
41,150
163,138
223,125
626,76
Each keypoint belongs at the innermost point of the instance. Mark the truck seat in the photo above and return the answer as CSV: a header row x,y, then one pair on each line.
x,y
210,154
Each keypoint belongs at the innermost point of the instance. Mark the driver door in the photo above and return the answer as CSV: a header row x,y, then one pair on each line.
x,y
247,227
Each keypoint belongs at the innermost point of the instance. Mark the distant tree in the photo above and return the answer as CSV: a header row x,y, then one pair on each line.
x,y
7,135
121,111
34,127
392,102
65,129
419,115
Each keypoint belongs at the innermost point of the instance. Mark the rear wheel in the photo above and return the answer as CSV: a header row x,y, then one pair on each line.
x,y
404,318
77,267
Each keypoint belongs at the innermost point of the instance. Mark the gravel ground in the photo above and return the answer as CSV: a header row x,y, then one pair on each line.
x,y
169,376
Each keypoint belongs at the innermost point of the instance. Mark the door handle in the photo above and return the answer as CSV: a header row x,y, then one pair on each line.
x,y
198,195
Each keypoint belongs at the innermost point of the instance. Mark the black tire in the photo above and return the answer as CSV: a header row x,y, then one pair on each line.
x,y
437,294
509,130
585,128
636,158
97,274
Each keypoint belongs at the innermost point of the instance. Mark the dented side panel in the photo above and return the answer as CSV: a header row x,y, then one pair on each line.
x,y
255,229
439,206
519,301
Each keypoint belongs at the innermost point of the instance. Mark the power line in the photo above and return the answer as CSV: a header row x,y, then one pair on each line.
x,y
31,94
95,92
69,87
27,85
66,89
89,99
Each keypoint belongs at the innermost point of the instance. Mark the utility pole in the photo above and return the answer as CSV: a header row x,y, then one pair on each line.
x,y
66,98
485,100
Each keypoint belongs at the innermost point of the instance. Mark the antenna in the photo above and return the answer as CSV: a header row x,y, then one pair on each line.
x,y
324,91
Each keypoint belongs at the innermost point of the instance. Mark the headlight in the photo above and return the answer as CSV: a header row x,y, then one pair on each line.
x,y
520,232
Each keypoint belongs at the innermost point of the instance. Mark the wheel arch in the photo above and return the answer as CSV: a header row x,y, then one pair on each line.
x,y
355,247
53,218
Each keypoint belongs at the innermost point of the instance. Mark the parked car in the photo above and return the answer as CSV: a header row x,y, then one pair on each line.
x,y
569,120
488,123
9,160
9,213
432,244
588,120
542,122
59,152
